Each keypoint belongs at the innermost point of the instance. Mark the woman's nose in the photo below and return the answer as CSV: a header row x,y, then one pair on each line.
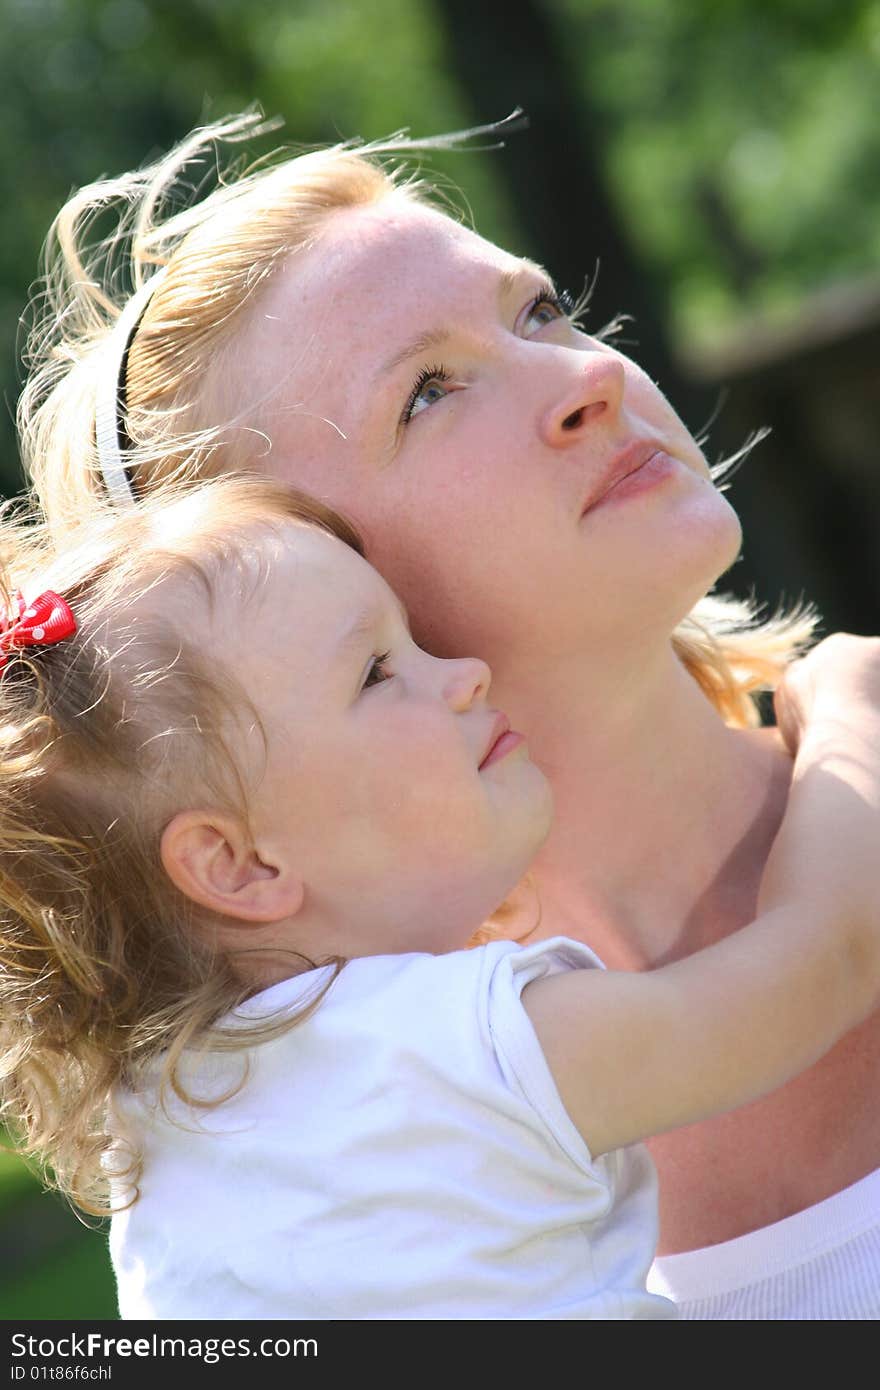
x,y
465,681
591,392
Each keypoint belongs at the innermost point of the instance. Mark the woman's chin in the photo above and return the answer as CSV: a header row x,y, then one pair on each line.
x,y
728,537
707,541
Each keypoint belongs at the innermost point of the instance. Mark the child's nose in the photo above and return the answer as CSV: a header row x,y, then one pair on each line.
x,y
466,681
593,390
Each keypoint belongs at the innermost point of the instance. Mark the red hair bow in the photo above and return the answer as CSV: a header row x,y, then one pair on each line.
x,y
42,623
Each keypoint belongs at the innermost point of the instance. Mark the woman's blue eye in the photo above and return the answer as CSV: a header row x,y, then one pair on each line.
x,y
429,386
377,672
548,306
432,383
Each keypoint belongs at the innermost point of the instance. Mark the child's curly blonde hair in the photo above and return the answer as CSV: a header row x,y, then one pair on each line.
x,y
102,967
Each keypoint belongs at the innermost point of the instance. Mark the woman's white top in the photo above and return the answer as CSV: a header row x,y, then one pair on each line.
x,y
822,1263
403,1153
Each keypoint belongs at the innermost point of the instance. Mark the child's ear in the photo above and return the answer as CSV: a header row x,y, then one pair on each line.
x,y
210,857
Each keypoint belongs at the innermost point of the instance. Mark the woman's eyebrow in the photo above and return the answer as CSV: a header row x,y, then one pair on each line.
x,y
425,342
524,269
438,337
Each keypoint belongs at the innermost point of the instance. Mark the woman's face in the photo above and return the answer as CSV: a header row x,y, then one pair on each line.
x,y
518,482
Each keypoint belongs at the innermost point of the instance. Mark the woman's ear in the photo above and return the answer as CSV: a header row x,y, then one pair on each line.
x,y
211,858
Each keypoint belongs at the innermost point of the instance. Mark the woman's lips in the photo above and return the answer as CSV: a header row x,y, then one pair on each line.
x,y
634,470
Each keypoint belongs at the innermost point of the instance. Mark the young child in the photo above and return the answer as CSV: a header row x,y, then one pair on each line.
x,y
248,831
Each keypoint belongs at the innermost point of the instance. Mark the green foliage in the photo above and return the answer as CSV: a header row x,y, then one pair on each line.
x,y
75,1283
54,1265
742,144
15,1178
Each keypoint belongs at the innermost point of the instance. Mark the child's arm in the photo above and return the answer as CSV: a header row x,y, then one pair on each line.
x,y
636,1054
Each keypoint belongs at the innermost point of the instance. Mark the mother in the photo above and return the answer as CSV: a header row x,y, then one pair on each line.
x,y
536,500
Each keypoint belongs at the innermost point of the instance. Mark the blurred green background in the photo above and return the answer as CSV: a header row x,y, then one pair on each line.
x,y
720,161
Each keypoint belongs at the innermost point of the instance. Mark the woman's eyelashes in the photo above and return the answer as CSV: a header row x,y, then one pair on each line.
x,y
434,383
430,385
548,306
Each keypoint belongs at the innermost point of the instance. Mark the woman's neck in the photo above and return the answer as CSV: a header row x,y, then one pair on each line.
x,y
664,815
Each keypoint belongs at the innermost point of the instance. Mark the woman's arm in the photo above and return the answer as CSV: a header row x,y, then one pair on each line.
x,y
636,1054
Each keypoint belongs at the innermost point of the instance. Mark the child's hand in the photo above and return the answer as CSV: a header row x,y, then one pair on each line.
x,y
833,682
828,710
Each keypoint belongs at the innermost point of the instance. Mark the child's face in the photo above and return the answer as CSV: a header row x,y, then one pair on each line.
x,y
378,782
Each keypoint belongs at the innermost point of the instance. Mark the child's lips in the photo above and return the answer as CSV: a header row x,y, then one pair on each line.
x,y
503,740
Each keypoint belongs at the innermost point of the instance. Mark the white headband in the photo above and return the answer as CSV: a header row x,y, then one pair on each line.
x,y
111,435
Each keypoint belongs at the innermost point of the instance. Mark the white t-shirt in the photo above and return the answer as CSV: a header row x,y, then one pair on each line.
x,y
403,1153
820,1264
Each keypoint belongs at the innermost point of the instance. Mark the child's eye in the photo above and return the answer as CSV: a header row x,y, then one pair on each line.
x,y
378,672
548,306
429,386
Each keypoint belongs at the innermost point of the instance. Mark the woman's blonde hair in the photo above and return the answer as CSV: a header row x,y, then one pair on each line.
x,y
218,249
104,965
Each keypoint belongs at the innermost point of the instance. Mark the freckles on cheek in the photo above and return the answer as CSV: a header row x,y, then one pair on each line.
x,y
426,550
